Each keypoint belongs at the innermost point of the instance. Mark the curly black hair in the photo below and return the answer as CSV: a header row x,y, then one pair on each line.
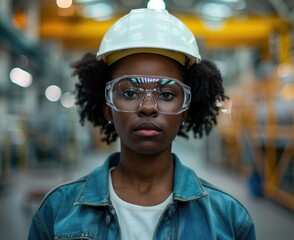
x,y
204,78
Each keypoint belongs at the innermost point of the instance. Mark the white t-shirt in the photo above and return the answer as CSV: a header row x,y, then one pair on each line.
x,y
136,222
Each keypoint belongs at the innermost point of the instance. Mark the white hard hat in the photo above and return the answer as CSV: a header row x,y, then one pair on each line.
x,y
149,31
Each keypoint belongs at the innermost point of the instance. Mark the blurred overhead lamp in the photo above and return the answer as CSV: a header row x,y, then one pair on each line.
x,y
213,10
214,13
67,100
156,4
64,3
21,77
53,93
99,11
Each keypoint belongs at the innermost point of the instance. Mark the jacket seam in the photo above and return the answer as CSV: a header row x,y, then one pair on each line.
x,y
187,199
208,185
245,228
86,180
249,222
41,226
74,236
59,186
200,183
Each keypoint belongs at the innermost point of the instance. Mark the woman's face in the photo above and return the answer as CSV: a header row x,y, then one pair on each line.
x,y
146,131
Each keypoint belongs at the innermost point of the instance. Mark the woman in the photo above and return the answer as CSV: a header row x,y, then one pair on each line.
x,y
146,85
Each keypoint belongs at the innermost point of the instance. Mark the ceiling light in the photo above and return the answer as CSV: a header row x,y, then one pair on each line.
x,y
53,93
156,4
21,77
64,3
214,10
67,100
98,11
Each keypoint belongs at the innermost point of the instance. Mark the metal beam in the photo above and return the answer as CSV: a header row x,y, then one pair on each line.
x,y
234,32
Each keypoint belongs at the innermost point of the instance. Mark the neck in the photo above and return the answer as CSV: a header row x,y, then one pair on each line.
x,y
146,178
145,166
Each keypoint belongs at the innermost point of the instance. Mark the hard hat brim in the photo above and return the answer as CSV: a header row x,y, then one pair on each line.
x,y
117,55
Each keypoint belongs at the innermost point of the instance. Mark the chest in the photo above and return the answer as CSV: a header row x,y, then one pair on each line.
x,y
175,222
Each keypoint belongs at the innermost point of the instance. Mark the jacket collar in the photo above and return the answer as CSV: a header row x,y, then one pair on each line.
x,y
187,185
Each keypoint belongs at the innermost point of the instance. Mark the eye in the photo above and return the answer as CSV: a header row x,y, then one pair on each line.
x,y
166,95
129,94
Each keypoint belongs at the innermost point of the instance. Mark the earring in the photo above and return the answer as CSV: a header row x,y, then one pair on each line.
x,y
109,122
183,124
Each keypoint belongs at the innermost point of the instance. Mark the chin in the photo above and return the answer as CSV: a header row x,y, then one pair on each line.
x,y
149,148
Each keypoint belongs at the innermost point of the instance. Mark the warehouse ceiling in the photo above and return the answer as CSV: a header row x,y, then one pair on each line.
x,y
217,24
221,27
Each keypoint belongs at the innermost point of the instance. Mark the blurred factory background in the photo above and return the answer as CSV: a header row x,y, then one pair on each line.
x,y
250,153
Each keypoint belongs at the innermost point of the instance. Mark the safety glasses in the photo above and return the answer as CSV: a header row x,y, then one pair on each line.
x,y
129,94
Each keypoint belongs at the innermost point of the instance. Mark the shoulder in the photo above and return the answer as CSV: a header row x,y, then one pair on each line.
x,y
88,188
227,210
210,188
65,193
56,202
218,196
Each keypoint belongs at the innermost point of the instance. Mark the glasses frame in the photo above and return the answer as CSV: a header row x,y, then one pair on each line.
x,y
109,88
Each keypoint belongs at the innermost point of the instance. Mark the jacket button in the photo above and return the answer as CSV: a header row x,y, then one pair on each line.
x,y
171,211
107,219
112,211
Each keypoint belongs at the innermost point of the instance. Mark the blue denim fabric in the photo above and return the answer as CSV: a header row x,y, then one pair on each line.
x,y
81,209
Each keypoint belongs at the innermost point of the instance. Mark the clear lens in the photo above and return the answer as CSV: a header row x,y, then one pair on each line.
x,y
129,93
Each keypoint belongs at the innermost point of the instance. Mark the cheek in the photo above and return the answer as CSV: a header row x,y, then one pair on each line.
x,y
174,125
121,121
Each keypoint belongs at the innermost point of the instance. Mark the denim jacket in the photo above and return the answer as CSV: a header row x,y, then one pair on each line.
x,y
82,209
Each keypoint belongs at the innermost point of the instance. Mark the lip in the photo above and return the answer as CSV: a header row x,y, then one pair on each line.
x,y
147,129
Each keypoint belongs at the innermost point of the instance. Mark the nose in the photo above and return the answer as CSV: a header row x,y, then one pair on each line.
x,y
148,105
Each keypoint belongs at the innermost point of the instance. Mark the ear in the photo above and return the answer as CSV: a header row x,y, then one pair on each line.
x,y
185,115
107,112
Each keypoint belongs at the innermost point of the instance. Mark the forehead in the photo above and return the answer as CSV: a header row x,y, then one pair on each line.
x,y
148,64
